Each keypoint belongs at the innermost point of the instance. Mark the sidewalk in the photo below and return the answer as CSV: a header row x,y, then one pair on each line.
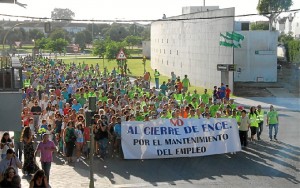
x,y
70,175
282,100
292,104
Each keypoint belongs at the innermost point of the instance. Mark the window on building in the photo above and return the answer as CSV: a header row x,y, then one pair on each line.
x,y
167,62
162,61
162,40
167,40
170,51
159,50
177,52
164,51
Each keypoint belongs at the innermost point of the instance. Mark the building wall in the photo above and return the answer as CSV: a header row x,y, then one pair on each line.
x,y
192,46
146,48
296,25
11,107
256,61
194,9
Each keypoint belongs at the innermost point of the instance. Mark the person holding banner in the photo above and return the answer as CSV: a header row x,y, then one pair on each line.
x,y
244,125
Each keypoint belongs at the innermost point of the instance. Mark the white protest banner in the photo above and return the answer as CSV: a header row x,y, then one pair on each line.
x,y
171,138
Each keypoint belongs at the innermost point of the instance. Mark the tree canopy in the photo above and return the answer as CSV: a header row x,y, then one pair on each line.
x,y
59,33
259,26
60,13
35,34
272,8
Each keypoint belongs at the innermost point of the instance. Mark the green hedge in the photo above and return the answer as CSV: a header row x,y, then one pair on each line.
x,y
294,51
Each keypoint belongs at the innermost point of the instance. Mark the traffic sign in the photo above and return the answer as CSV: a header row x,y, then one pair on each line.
x,y
121,55
76,48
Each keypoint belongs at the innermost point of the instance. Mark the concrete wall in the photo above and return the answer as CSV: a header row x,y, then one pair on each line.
x,y
256,61
10,111
194,9
146,48
192,46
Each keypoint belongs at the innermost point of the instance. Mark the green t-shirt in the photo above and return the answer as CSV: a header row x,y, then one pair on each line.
x,y
185,82
188,98
81,101
139,118
205,98
213,109
253,120
196,95
272,117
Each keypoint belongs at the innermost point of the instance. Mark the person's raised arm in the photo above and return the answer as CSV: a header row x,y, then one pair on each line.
x,y
18,162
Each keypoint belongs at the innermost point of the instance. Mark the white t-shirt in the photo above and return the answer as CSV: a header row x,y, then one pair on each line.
x,y
5,163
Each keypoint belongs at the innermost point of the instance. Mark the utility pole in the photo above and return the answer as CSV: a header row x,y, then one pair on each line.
x,y
204,3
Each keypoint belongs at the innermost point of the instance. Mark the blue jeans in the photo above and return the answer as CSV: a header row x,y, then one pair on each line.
x,y
271,126
157,83
46,167
103,146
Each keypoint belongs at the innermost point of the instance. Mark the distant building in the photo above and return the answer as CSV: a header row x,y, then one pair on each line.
x,y
68,26
289,24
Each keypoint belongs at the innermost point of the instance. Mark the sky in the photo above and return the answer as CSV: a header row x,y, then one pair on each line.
x,y
127,9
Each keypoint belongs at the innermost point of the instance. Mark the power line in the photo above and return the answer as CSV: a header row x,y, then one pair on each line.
x,y
126,21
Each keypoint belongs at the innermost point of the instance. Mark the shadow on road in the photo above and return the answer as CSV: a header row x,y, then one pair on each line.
x,y
270,159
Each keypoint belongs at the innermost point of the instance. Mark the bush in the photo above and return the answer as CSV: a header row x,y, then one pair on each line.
x,y
294,51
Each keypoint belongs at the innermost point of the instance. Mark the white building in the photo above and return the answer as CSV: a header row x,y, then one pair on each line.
x,y
188,45
296,25
256,60
289,24
191,46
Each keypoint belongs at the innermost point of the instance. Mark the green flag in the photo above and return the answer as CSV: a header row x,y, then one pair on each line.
x,y
236,38
225,41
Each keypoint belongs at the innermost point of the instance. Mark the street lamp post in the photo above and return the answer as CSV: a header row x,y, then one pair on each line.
x,y
10,29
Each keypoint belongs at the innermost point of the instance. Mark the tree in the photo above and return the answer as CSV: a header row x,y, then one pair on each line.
x,y
146,33
259,26
42,43
133,40
88,36
59,33
294,51
98,30
57,46
60,13
35,34
117,32
136,30
99,48
80,39
285,38
272,8
113,48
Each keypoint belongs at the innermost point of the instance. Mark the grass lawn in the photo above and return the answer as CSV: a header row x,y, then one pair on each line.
x,y
135,66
